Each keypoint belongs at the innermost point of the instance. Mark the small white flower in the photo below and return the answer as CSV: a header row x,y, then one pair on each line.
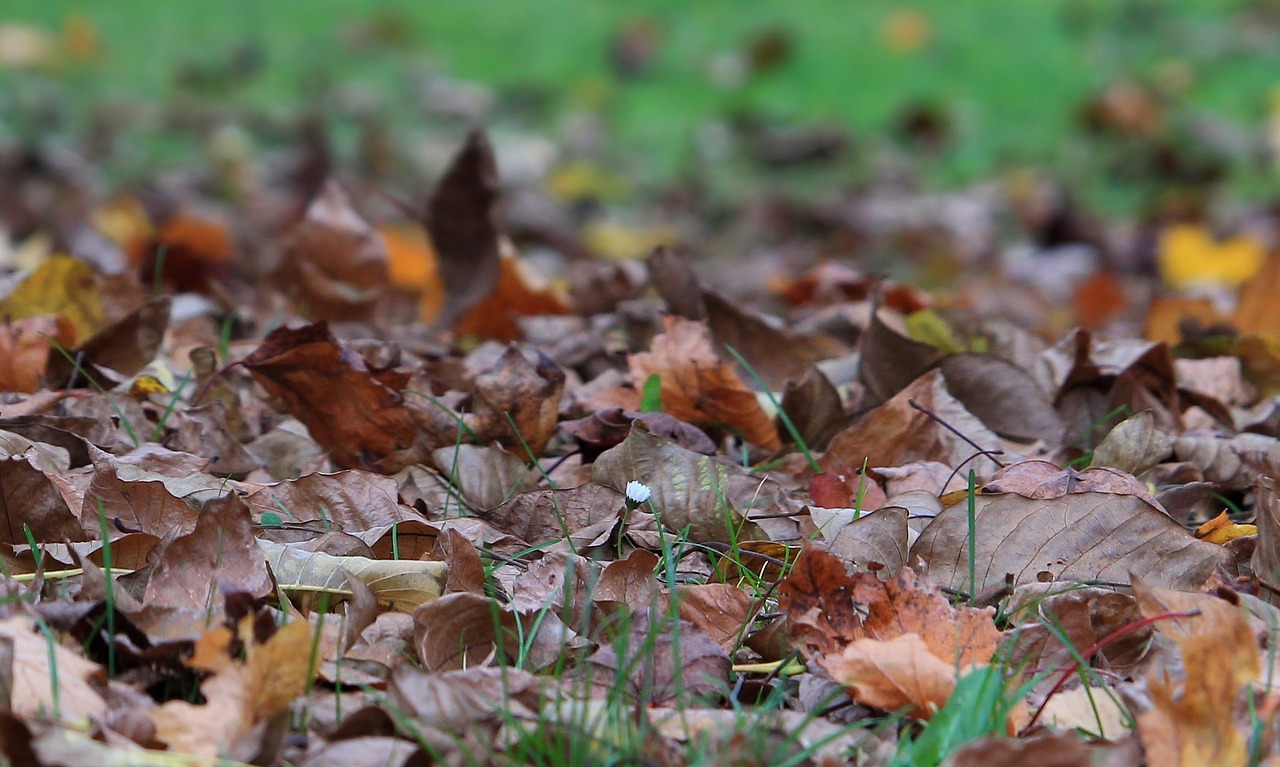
x,y
637,493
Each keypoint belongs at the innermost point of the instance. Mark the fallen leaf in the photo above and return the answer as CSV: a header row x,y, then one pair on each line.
x,y
1221,529
1195,722
1189,256
898,673
63,286
698,386
47,679
465,630
220,555
519,292
516,403
1134,445
1045,749
400,584
723,611
357,414
1079,535
895,432
691,491
25,345
830,610
461,221
334,262
1003,396
660,662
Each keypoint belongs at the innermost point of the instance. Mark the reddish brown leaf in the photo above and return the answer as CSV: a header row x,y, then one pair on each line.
x,y
358,415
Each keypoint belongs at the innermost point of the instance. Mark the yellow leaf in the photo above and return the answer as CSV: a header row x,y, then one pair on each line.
x,y
1220,530
927,326
279,670
1189,256
61,285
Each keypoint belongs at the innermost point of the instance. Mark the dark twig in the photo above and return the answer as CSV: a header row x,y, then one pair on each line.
x,y
988,453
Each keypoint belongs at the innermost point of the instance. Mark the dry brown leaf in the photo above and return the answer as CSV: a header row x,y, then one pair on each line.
x,y
520,292
220,555
723,611
124,346
465,630
353,501
895,433
1134,446
874,540
1223,459
890,359
197,252
1071,536
1003,396
544,515
1090,709
646,664
1044,749
29,497
698,386
631,582
830,609
689,490
487,476
238,695
334,262
355,413
516,403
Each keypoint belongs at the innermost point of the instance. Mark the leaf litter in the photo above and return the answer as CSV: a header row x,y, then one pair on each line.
x,y
374,484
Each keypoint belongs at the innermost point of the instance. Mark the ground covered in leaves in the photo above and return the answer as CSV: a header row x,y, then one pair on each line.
x,y
300,476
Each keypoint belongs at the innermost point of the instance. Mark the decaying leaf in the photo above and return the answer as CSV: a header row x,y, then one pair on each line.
x,y
893,644
43,672
895,432
660,662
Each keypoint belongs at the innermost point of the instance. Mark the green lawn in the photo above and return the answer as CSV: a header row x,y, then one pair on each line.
x,y
1012,73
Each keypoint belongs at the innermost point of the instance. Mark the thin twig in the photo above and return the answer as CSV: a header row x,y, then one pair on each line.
x,y
988,453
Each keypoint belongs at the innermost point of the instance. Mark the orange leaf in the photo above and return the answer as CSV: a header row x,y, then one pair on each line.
x,y
699,386
520,292
894,674
24,350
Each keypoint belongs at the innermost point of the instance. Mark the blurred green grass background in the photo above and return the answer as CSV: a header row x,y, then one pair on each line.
x,y
1010,75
